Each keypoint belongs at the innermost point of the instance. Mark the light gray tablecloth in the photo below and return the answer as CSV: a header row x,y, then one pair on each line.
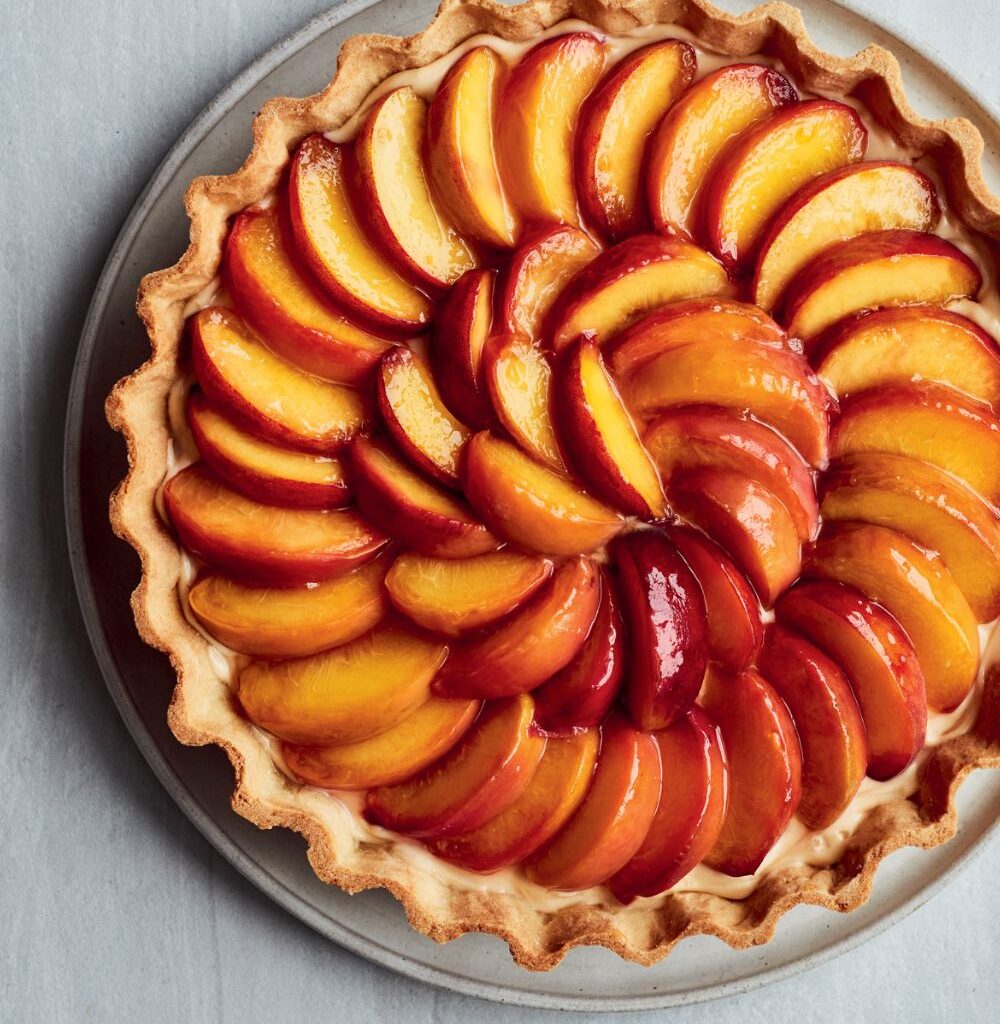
x,y
112,907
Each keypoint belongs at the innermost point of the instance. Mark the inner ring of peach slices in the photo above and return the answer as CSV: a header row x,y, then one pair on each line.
x,y
517,412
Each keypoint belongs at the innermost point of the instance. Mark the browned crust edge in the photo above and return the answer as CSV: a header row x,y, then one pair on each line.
x,y
202,711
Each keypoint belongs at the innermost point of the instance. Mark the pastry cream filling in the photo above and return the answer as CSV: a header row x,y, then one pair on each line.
x,y
799,846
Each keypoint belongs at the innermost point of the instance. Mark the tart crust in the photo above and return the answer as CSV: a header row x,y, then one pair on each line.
x,y
202,710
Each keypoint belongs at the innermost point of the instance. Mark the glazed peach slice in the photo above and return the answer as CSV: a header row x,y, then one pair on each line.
x,y
827,719
413,511
344,695
288,312
538,273
555,791
764,758
864,640
263,471
455,595
242,376
541,104
290,622
667,621
931,507
917,591
536,641
264,543
872,271
614,818
746,520
877,195
518,378
335,247
689,437
599,437
768,164
925,421
628,281
389,757
531,505
615,126
475,781
696,130
460,149
394,192
416,417
896,345
691,811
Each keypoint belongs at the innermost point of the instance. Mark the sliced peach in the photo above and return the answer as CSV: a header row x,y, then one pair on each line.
x,y
535,642
454,595
746,520
864,640
628,281
290,314
668,628
333,243
581,694
389,757
350,693
416,417
918,592
555,791
872,271
764,758
290,622
697,128
691,811
474,782
611,823
877,195
541,103
264,543
529,504
460,148
413,511
270,396
768,164
614,128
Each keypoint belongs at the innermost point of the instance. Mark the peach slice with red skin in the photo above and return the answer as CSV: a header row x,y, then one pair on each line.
x,y
533,644
336,249
691,811
614,818
263,471
873,271
559,784
876,655
276,300
455,595
697,128
541,103
242,376
264,543
827,719
474,782
413,511
764,758
668,628
531,505
615,125
742,194
877,195
344,695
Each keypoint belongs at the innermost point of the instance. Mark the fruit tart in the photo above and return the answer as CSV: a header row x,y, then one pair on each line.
x,y
566,476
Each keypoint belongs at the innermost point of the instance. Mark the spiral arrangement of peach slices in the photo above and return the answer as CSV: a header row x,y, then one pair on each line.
x,y
511,419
